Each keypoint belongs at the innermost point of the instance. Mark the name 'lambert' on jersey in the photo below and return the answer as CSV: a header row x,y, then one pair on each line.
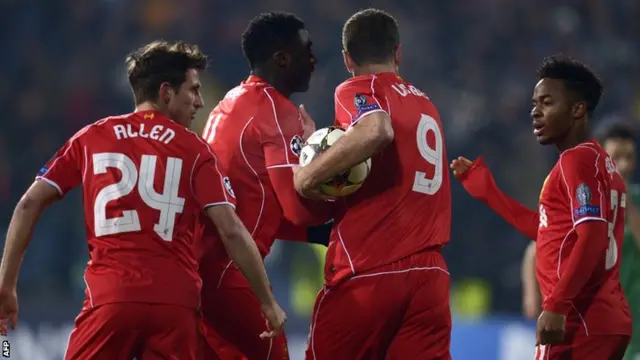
x,y
158,132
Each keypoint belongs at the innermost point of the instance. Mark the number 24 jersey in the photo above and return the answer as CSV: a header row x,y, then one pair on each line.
x,y
146,180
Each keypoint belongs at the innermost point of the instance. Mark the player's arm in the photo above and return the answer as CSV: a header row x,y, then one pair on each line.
x,y
25,216
588,213
242,249
213,193
477,180
532,301
281,141
359,105
295,208
61,174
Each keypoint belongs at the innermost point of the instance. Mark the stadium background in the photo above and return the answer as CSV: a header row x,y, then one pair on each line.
x,y
62,67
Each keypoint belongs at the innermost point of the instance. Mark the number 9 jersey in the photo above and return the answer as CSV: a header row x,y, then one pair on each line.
x,y
404,206
146,180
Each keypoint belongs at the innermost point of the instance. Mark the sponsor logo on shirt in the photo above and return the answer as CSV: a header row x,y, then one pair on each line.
x,y
227,186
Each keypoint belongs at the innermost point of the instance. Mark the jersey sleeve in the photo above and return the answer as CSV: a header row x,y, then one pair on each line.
x,y
210,185
280,134
585,189
355,99
65,169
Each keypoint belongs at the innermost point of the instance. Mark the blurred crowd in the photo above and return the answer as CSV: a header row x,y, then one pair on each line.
x,y
63,67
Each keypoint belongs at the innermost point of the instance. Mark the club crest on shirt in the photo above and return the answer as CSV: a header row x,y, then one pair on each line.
x,y
227,186
583,194
296,145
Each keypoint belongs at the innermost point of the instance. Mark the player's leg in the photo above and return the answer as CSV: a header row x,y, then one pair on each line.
x,y
234,314
425,332
107,332
170,332
594,347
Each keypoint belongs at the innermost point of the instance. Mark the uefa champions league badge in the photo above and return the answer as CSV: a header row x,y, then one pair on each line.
x,y
227,186
583,194
296,144
359,101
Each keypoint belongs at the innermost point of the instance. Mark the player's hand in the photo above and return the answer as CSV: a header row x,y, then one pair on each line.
x,y
301,181
275,317
308,125
460,165
8,310
550,328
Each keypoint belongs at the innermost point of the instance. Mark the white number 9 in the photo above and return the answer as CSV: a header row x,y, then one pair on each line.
x,y
433,156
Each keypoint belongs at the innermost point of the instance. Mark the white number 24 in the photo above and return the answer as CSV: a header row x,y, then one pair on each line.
x,y
612,250
433,156
168,202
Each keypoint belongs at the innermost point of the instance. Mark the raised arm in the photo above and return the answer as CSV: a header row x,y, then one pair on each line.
x,y
477,180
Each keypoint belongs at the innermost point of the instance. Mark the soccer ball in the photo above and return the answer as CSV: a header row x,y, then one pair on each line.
x,y
343,184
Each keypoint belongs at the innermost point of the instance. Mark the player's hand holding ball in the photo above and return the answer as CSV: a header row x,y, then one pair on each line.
x,y
341,185
276,317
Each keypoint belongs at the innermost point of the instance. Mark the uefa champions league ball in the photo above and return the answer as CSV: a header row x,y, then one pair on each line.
x,y
343,184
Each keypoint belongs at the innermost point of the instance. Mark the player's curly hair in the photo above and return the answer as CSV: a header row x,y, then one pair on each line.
x,y
576,76
158,62
371,36
267,34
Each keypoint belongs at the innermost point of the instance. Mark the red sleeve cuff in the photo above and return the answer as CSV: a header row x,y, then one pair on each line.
x,y
477,163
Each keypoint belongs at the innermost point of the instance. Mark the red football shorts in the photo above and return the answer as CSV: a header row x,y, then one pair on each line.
x,y
232,324
122,331
582,347
400,311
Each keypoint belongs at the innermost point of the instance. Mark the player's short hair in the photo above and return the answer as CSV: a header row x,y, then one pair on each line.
x,y
371,36
576,76
158,62
617,131
267,34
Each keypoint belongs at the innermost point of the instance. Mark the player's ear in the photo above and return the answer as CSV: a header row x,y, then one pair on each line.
x,y
579,109
348,61
281,59
397,57
166,93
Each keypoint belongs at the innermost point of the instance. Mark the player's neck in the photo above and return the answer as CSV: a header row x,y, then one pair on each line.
x,y
374,69
147,106
577,135
273,80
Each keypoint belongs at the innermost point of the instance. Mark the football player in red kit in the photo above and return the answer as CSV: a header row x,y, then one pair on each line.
x,y
386,293
258,134
579,224
146,180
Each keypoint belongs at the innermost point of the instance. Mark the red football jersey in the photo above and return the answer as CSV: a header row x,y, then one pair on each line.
x,y
584,185
146,180
404,206
254,128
